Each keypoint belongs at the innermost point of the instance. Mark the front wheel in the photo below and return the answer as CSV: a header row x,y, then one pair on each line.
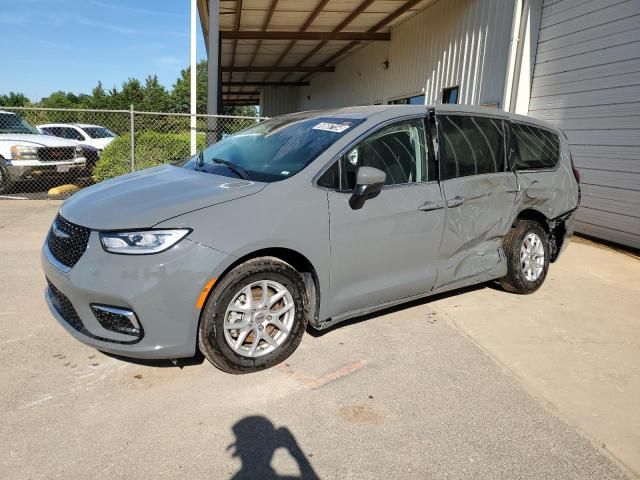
x,y
527,251
255,317
5,181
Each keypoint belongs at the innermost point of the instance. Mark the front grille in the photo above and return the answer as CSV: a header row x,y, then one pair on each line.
x,y
64,307
56,154
67,242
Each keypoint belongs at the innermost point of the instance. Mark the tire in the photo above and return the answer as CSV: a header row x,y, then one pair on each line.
x,y
5,181
519,278
230,349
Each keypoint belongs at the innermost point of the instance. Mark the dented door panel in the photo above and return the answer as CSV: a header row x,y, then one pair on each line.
x,y
475,225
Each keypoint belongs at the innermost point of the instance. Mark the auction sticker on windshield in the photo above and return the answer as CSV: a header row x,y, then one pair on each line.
x,y
331,127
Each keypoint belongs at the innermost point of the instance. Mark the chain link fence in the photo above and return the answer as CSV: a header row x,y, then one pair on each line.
x,y
51,153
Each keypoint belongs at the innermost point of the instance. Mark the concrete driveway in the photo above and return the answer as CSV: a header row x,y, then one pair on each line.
x,y
424,391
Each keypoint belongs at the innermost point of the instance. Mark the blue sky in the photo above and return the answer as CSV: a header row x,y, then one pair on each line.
x,y
48,45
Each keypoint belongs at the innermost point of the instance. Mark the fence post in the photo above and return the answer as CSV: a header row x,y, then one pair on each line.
x,y
133,139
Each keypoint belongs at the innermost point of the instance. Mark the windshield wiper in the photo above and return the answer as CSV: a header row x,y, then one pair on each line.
x,y
238,170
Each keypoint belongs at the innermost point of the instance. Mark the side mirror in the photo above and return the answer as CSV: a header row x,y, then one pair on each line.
x,y
369,184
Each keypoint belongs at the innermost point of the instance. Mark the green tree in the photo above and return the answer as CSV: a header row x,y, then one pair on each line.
x,y
155,96
60,99
132,93
152,97
181,92
98,98
14,99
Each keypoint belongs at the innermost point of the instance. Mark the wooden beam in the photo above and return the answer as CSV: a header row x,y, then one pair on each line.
x,y
341,26
279,69
203,10
236,27
248,83
303,28
285,35
265,25
381,24
397,12
243,93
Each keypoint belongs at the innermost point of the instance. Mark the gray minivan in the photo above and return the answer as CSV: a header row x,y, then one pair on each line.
x,y
309,219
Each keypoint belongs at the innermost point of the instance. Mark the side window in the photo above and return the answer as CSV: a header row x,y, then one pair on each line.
x,y
534,147
471,146
331,178
72,134
399,150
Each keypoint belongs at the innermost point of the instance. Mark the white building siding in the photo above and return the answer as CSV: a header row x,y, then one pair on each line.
x,y
276,101
451,42
358,80
587,81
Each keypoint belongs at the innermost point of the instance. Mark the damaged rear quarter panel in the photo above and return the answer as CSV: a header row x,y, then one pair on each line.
x,y
552,192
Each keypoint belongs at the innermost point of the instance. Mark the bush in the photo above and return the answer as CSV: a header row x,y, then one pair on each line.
x,y
152,149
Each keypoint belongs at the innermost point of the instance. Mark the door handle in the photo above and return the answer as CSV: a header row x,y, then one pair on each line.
x,y
429,206
455,202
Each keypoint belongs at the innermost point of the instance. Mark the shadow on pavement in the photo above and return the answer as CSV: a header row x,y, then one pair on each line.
x,y
256,443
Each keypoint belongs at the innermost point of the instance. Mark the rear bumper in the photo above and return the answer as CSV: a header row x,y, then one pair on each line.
x,y
161,289
565,223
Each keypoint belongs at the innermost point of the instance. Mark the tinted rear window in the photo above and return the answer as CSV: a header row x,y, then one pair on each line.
x,y
472,146
534,148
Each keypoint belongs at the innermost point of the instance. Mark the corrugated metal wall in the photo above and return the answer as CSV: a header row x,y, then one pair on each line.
x,y
276,101
452,42
587,81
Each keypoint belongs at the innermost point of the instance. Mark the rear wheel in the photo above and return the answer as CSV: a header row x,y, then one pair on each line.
x,y
255,317
527,251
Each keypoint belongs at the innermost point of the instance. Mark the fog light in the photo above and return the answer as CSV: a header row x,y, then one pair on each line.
x,y
117,319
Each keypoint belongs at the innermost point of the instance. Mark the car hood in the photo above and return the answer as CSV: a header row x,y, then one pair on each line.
x,y
97,142
148,197
37,140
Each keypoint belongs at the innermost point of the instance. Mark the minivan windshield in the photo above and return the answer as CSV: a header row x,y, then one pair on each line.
x,y
10,123
274,149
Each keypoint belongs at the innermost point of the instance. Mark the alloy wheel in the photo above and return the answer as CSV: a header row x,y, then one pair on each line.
x,y
259,318
532,257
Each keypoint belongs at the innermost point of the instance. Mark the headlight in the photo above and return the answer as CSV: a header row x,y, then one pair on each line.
x,y
141,243
22,152
79,151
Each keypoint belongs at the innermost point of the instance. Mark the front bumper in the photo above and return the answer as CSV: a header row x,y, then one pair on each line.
x,y
19,170
161,289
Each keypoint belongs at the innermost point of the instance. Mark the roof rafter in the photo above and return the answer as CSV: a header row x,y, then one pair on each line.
x,y
347,20
263,83
310,19
381,24
279,69
236,27
265,25
289,35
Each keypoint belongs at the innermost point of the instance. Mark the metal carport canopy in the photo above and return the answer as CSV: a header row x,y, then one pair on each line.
x,y
271,42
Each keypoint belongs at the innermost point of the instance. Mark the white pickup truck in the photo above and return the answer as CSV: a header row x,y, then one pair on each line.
x,y
26,154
